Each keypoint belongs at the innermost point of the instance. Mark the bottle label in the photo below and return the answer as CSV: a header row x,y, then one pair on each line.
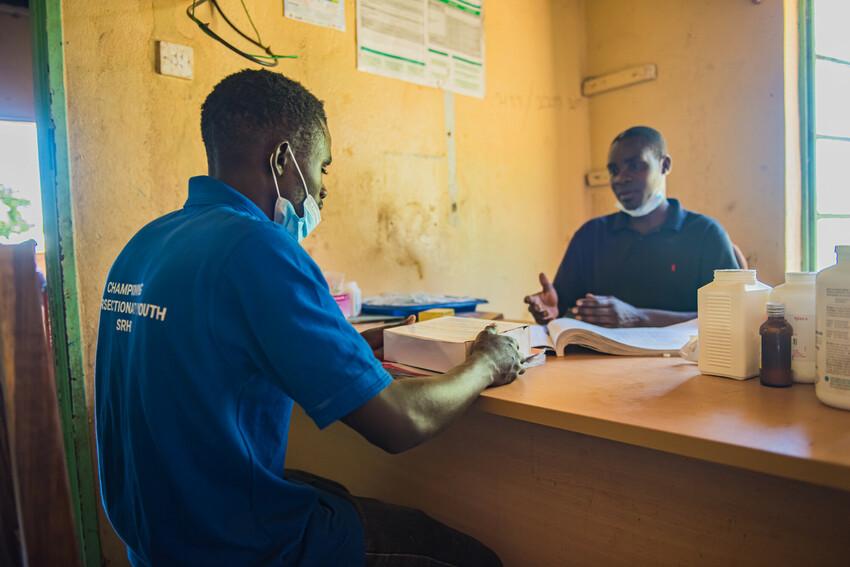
x,y
802,347
836,338
837,383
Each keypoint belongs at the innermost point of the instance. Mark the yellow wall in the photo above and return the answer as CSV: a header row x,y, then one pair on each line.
x,y
135,140
793,166
718,99
521,152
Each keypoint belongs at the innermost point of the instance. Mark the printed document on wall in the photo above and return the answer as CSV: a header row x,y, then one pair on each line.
x,y
391,39
437,43
456,45
326,13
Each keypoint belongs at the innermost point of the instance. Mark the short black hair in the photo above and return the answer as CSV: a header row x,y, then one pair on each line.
x,y
651,136
258,102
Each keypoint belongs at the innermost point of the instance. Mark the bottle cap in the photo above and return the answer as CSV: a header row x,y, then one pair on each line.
x,y
735,276
804,277
775,309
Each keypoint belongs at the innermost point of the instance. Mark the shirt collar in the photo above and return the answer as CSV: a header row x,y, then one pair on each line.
x,y
674,221
206,190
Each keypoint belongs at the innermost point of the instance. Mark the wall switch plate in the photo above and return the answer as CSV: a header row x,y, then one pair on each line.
x,y
597,178
174,59
620,79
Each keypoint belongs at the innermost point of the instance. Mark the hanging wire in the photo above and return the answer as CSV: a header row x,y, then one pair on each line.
x,y
251,20
268,59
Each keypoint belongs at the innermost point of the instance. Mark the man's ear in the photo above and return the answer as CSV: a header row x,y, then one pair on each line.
x,y
666,165
280,157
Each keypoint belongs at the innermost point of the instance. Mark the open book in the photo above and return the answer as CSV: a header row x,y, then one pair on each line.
x,y
638,341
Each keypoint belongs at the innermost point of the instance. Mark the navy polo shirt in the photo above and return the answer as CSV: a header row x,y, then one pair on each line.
x,y
660,270
214,321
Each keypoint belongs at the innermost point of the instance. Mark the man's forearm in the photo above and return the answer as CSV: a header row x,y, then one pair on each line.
x,y
661,318
432,403
412,410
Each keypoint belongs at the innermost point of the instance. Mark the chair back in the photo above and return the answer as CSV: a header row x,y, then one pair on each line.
x,y
741,257
36,519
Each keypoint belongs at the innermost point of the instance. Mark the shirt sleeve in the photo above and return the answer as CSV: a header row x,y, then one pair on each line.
x,y
716,254
569,280
277,317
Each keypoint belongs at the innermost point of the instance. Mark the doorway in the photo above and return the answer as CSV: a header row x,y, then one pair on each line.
x,y
35,202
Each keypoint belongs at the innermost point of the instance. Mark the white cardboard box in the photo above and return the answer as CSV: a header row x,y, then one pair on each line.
x,y
443,343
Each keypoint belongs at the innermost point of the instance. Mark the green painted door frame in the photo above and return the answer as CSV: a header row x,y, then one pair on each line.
x,y
51,120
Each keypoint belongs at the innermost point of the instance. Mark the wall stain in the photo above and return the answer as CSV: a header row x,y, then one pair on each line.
x,y
397,231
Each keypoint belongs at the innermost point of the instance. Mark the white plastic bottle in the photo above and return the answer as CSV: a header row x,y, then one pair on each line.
x,y
356,298
731,310
798,295
833,332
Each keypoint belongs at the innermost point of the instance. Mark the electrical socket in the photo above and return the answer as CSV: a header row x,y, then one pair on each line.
x,y
174,60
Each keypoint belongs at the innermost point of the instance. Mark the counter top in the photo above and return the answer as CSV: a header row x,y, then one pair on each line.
x,y
666,404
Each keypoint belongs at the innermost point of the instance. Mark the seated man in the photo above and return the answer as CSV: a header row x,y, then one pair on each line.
x,y
640,267
214,321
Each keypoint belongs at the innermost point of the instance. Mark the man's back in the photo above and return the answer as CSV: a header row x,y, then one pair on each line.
x,y
195,385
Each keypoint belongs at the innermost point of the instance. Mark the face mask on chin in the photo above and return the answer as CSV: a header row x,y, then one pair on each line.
x,y
648,206
284,211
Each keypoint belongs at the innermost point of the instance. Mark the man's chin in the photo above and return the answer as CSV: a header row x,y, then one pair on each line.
x,y
630,205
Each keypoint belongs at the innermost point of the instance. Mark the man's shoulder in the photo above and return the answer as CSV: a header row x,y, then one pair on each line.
x,y
702,223
598,223
208,238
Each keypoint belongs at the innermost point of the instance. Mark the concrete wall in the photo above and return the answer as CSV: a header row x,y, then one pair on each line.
x,y
718,99
16,97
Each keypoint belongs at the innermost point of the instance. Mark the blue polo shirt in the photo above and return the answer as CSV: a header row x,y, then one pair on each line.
x,y
214,321
660,270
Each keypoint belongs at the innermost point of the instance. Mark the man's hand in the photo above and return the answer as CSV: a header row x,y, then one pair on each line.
x,y
375,336
608,311
502,353
543,305
409,411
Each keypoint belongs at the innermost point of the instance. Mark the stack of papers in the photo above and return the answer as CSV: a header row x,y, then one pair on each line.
x,y
441,344
638,341
403,304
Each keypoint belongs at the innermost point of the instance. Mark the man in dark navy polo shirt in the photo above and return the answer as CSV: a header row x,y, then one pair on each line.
x,y
214,322
643,265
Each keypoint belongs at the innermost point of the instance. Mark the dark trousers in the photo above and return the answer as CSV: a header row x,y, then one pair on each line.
x,y
397,536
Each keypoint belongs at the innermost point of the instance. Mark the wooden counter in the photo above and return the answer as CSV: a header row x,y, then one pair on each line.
x,y
595,460
666,404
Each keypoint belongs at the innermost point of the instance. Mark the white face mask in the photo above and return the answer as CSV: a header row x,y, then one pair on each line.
x,y
284,212
650,205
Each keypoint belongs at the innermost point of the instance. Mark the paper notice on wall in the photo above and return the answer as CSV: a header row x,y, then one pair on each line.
x,y
391,39
327,13
438,43
456,45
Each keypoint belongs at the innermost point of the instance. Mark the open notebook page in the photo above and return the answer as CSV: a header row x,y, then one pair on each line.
x,y
627,341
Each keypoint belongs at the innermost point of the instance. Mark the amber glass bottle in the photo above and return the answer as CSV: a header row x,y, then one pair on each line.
x,y
776,335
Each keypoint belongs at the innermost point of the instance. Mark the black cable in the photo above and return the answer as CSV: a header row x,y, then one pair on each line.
x,y
270,57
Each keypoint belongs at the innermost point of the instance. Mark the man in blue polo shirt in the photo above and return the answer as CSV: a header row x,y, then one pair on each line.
x,y
643,265
214,321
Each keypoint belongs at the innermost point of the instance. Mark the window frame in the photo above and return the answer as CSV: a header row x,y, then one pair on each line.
x,y
809,135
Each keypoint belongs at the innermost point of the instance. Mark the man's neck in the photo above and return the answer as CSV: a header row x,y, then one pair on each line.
x,y
651,222
250,185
